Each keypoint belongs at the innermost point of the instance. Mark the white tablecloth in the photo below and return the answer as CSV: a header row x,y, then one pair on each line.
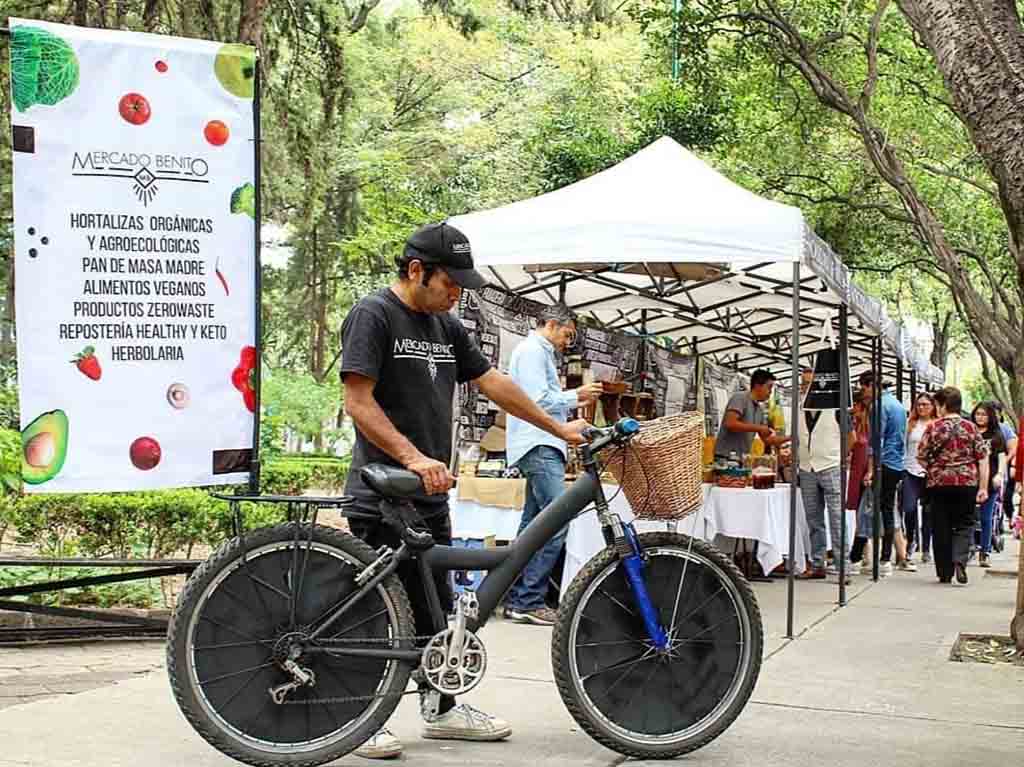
x,y
727,513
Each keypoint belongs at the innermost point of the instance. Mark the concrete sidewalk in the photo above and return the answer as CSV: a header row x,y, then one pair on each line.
x,y
866,684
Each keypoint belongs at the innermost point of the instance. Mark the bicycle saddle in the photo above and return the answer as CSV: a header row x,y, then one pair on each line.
x,y
391,482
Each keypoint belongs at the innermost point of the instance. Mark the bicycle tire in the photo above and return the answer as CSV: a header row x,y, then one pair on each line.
x,y
662,704
219,603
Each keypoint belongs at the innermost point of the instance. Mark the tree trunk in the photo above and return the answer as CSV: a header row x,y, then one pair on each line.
x,y
941,337
151,15
250,22
82,13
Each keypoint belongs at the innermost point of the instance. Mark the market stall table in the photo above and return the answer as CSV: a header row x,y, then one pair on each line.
x,y
483,507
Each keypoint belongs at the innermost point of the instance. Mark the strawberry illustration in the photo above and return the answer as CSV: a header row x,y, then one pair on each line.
x,y
86,362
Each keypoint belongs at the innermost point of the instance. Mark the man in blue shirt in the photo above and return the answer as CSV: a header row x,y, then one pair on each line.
x,y
540,456
893,448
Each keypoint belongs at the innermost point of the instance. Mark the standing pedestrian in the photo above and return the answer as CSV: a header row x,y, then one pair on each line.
x,y
914,479
955,457
892,438
539,455
861,475
984,417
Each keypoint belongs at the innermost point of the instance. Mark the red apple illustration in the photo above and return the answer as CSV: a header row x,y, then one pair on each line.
x,y
134,108
145,453
216,132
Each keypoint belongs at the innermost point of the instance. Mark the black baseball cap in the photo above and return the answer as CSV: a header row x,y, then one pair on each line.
x,y
444,245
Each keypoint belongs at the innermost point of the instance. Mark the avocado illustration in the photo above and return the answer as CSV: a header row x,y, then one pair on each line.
x,y
44,445
235,67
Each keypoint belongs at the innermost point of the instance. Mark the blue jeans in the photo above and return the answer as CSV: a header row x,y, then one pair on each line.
x,y
913,487
987,509
544,469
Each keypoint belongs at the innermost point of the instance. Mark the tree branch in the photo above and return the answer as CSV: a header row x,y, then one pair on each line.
x,y
871,50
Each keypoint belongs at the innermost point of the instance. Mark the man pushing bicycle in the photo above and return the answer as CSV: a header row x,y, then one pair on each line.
x,y
403,352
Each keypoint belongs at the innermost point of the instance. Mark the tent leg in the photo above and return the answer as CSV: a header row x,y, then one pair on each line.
x,y
793,488
844,446
876,443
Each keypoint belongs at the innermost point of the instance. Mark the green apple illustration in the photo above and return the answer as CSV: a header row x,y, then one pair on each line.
x,y
235,67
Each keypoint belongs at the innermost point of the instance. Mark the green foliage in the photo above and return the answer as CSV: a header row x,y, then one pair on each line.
x,y
295,401
10,461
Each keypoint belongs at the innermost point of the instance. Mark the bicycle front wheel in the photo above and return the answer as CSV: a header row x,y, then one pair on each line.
x,y
235,631
638,700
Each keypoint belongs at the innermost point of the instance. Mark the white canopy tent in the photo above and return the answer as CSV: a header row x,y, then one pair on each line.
x,y
622,247
665,246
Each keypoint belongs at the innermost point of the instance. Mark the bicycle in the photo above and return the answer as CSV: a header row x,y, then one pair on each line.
x,y
293,644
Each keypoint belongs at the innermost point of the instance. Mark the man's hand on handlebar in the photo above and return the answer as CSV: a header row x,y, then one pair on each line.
x,y
435,475
572,432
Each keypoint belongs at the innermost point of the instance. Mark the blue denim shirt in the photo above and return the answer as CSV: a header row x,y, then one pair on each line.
x,y
894,431
532,367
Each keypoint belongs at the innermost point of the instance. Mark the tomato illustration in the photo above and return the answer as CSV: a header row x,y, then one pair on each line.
x,y
134,108
216,132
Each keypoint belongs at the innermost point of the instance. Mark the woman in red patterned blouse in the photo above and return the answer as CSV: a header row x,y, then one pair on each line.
x,y
955,458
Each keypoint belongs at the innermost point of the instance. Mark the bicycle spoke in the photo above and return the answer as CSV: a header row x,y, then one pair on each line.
x,y
710,628
222,677
586,617
625,673
383,611
230,628
675,626
268,585
622,664
226,645
605,644
608,596
238,600
679,591
224,706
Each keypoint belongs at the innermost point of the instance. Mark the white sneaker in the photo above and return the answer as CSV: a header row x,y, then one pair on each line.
x,y
884,569
907,566
383,745
466,723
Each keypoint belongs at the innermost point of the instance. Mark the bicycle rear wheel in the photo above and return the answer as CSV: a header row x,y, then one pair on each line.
x,y
624,692
236,622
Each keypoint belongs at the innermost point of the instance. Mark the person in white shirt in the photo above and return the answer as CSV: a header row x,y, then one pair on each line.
x,y
914,479
820,482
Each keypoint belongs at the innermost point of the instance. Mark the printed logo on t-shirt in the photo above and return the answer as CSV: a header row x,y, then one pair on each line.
x,y
431,353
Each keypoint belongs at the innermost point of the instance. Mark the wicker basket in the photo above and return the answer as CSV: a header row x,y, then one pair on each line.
x,y
660,469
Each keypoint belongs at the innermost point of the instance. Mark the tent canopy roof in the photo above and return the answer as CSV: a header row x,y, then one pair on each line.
x,y
662,244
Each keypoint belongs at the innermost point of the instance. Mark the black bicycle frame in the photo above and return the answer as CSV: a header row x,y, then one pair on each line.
x,y
503,565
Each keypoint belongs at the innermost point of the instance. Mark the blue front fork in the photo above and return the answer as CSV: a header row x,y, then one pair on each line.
x,y
634,564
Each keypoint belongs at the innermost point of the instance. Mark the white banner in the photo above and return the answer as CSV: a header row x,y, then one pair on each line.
x,y
134,236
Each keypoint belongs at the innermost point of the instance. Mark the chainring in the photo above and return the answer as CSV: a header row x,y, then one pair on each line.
x,y
444,671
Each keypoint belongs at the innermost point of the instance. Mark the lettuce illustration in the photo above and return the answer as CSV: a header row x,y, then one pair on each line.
x,y
44,68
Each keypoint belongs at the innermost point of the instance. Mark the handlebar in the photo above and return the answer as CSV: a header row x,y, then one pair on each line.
x,y
622,431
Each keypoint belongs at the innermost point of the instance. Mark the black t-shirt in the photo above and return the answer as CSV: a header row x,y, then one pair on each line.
x,y
416,360
996,446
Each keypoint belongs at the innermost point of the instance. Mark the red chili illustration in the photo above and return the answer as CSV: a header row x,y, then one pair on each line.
x,y
220,276
244,377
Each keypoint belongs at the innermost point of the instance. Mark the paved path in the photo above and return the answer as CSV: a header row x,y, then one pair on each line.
x,y
866,684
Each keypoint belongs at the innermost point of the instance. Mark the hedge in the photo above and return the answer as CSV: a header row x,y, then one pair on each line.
x,y
160,522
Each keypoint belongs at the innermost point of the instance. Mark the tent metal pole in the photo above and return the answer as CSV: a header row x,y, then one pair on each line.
x,y
254,471
876,445
795,452
913,387
844,447
899,378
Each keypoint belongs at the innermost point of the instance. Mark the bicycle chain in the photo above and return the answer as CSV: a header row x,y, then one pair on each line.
x,y
392,641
